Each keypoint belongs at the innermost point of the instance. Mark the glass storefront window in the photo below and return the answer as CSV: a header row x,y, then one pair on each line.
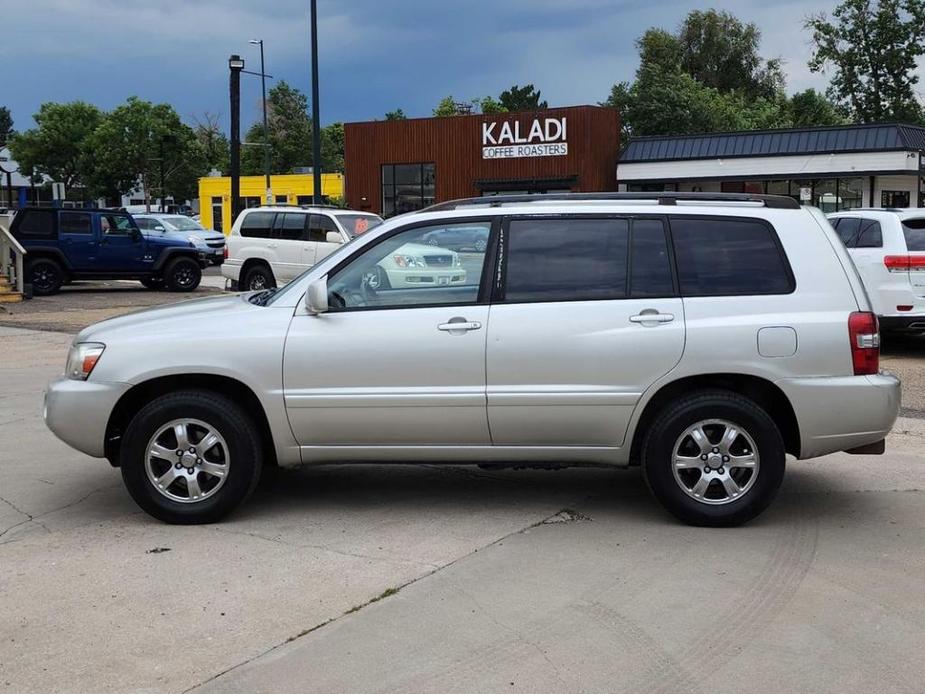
x,y
407,187
850,193
825,195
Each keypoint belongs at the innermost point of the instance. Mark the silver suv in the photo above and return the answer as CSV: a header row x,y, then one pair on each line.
x,y
701,337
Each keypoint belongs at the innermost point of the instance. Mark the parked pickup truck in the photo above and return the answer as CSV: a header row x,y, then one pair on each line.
x,y
64,245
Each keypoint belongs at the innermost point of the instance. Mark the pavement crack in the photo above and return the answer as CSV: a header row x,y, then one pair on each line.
x,y
388,593
36,519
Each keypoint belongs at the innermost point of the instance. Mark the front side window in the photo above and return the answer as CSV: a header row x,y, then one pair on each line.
x,y
650,273
319,227
728,257
290,226
404,271
407,187
116,225
257,224
566,259
74,223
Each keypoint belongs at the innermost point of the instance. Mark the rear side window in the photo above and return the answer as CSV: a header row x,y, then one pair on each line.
x,y
566,259
291,226
257,224
914,231
74,223
36,224
650,265
847,228
870,235
729,257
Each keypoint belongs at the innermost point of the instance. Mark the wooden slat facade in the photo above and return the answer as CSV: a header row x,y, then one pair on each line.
x,y
454,146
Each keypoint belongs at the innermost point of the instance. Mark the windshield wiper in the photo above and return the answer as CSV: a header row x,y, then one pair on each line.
x,y
262,298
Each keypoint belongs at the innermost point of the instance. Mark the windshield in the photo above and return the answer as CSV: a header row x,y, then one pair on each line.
x,y
356,224
914,230
181,223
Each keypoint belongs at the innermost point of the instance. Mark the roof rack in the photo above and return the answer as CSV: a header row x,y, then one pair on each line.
x,y
301,207
778,202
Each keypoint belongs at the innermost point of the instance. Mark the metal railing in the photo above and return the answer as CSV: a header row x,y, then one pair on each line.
x,y
11,256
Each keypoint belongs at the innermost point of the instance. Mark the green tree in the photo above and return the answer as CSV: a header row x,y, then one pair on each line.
x,y
872,48
526,98
446,107
332,148
136,143
808,108
214,144
6,125
290,136
58,146
720,51
397,114
489,105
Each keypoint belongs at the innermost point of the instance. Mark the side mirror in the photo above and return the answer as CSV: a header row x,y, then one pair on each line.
x,y
333,237
316,298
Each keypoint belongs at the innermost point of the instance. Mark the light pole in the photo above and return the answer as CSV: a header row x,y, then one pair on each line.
x,y
316,117
266,130
235,65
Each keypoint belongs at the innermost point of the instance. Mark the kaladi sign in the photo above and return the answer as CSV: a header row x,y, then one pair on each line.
x,y
546,137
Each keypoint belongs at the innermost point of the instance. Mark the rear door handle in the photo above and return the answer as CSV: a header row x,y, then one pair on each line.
x,y
459,325
652,317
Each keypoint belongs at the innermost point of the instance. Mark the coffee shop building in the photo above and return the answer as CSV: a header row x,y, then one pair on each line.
x,y
397,166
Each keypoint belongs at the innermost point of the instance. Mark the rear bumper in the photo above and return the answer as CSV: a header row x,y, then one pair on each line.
x,y
903,323
843,412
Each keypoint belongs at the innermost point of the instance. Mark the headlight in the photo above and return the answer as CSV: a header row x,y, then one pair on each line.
x,y
82,359
196,240
409,261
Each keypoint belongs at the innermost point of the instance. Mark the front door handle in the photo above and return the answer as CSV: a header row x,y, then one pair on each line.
x,y
459,325
652,316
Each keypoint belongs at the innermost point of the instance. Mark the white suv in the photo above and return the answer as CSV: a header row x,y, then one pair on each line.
x,y
271,245
888,247
701,337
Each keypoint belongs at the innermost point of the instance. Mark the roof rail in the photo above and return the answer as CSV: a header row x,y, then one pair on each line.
x,y
779,202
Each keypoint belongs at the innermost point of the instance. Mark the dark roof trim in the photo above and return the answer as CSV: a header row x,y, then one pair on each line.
x,y
760,156
503,183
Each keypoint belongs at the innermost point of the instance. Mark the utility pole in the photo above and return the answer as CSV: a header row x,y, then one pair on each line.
x,y
266,129
235,65
316,117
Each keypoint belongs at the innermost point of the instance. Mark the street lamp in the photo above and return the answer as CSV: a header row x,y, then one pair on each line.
x,y
235,66
266,131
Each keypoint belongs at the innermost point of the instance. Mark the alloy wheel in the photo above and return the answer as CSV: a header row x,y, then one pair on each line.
x,y
187,460
715,462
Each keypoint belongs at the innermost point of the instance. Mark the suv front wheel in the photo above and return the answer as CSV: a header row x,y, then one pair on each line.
x,y
182,275
714,459
259,277
191,457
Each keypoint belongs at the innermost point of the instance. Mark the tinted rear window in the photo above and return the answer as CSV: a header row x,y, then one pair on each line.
x,y
650,273
35,224
914,231
847,228
870,236
74,223
728,257
257,224
566,259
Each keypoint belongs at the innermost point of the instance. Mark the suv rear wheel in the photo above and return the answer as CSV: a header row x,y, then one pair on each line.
x,y
714,459
45,275
182,275
259,277
191,457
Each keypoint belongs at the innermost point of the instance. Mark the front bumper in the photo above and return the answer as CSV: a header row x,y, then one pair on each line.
x,y
77,412
843,412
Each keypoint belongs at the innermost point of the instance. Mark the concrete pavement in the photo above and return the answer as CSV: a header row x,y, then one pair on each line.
x,y
416,578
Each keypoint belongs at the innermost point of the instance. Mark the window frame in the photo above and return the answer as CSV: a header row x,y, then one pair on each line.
x,y
483,298
775,239
499,285
88,215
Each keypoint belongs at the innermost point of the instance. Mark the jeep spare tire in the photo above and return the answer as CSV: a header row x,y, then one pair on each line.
x,y
182,274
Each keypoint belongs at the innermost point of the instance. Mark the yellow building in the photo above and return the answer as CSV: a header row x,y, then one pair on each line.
x,y
291,189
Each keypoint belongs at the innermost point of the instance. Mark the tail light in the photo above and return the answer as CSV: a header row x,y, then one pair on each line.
x,y
225,252
904,263
864,333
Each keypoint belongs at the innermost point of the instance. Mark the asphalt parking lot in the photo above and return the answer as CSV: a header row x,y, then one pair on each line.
x,y
425,578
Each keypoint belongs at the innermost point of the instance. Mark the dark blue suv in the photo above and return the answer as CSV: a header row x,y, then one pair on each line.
x,y
63,245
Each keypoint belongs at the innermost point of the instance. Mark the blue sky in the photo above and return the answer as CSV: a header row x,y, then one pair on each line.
x,y
376,55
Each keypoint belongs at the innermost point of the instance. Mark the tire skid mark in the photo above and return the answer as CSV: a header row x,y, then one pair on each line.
x,y
747,617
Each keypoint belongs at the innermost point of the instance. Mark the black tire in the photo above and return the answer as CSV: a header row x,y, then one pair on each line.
x,y
224,416
45,275
659,449
259,277
182,275
153,282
